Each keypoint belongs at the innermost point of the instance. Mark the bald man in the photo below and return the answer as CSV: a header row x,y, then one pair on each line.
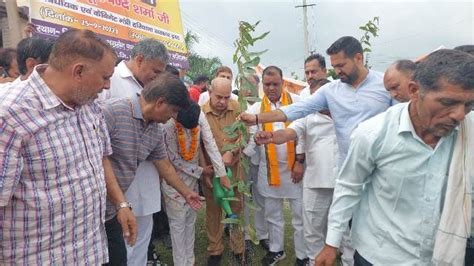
x,y
397,77
220,112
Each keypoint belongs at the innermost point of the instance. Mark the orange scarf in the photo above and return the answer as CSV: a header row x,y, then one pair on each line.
x,y
188,155
270,149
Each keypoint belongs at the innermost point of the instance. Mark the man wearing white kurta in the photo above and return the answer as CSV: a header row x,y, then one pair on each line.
x,y
320,149
318,181
148,59
288,188
314,69
317,141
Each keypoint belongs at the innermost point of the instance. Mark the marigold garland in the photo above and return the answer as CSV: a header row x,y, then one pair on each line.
x,y
188,155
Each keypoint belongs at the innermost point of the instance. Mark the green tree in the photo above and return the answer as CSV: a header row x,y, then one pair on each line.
x,y
246,62
370,30
199,65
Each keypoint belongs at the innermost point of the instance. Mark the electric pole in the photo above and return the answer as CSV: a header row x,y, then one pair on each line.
x,y
305,26
14,29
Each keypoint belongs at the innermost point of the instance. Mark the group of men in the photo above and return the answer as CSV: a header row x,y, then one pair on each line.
x,y
405,169
377,166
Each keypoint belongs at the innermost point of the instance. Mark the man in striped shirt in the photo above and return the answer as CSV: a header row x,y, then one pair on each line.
x,y
137,136
53,139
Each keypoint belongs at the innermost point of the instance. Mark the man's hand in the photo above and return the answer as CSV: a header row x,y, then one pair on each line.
x,y
225,182
207,171
297,172
207,175
249,119
208,181
6,80
29,29
127,220
327,256
228,158
193,199
263,137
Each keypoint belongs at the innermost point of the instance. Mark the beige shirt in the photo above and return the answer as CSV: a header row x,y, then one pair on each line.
x,y
218,122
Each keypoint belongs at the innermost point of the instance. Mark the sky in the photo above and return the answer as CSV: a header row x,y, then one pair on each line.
x,y
408,29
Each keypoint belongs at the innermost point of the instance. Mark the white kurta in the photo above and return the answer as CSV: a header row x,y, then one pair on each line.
x,y
320,147
287,188
274,195
305,92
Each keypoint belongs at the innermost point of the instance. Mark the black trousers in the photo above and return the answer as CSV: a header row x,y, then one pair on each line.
x,y
360,261
116,243
469,260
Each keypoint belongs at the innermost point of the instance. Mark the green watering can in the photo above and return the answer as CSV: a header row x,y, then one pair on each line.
x,y
220,193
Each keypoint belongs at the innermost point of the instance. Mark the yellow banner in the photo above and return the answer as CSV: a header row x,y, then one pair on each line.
x,y
121,22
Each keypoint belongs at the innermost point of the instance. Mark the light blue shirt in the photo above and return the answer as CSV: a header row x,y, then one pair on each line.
x,y
348,106
392,184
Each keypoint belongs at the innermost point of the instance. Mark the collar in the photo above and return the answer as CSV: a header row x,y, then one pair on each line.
x,y
48,99
125,72
136,109
405,124
279,102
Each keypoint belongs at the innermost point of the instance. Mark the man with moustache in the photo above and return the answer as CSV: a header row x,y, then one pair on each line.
x,y
148,59
406,179
358,95
221,72
53,142
136,136
221,111
314,69
276,180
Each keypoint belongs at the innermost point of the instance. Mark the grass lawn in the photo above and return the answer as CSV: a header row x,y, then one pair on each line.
x,y
227,258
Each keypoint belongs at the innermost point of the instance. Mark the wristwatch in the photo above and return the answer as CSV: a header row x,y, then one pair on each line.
x,y
124,204
301,160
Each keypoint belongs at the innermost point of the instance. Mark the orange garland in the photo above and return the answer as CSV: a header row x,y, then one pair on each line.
x,y
270,149
188,155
